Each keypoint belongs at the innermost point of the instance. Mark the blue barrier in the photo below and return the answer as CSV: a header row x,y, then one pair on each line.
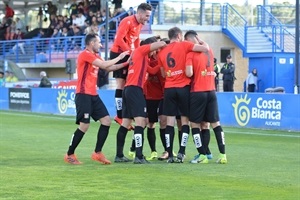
x,y
249,110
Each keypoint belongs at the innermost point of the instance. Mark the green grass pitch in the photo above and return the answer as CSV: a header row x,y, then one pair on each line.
x,y
262,164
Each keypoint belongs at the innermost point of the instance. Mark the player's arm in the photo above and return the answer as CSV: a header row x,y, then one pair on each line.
x,y
121,34
109,65
189,65
201,47
153,70
157,45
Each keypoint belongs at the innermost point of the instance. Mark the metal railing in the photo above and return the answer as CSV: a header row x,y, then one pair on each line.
x,y
282,39
236,24
175,12
284,13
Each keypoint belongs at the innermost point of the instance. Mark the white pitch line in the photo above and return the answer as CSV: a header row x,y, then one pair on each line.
x,y
227,132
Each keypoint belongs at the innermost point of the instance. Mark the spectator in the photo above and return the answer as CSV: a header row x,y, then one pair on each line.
x,y
118,3
52,9
80,19
73,8
2,81
21,44
13,29
9,12
217,71
56,41
10,77
45,83
93,7
251,81
20,25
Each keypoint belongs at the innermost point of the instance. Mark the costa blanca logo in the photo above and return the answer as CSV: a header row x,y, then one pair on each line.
x,y
62,101
241,110
65,101
268,110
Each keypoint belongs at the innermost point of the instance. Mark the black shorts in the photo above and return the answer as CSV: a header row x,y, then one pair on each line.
x,y
134,103
204,107
120,73
152,110
176,99
89,106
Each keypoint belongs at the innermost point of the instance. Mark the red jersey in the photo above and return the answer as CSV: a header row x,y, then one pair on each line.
x,y
172,58
203,71
154,84
127,37
138,66
87,73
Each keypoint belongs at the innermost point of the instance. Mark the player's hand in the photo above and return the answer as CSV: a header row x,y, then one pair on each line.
x,y
199,40
123,54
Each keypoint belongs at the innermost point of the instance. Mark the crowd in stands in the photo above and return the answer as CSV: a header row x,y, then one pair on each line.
x,y
84,17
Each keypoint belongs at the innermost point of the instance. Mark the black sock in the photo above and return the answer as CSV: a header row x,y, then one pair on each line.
x,y
121,135
185,130
76,138
132,148
220,138
162,132
118,99
101,137
197,140
179,137
205,137
138,137
170,139
151,138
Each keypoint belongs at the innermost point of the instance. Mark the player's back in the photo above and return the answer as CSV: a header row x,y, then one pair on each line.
x,y
172,59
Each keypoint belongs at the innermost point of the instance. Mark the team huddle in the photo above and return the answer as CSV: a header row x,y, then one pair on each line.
x,y
158,80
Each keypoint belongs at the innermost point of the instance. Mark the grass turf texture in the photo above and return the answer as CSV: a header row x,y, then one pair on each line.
x,y
261,165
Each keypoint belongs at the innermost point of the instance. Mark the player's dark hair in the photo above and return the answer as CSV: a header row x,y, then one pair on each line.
x,y
174,32
89,37
149,40
144,7
166,40
190,34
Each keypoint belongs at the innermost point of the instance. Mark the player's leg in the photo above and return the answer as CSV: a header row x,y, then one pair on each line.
x,y
100,113
152,115
83,109
170,110
213,117
162,130
120,77
122,131
197,110
205,137
183,103
137,108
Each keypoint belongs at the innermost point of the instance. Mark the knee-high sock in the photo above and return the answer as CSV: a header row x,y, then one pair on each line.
x,y
170,139
121,135
185,130
162,132
205,137
118,99
220,136
76,138
101,137
197,140
151,138
179,137
138,137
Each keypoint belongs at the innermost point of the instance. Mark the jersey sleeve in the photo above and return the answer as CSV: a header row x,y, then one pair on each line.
x,y
87,57
189,59
144,50
122,32
188,46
